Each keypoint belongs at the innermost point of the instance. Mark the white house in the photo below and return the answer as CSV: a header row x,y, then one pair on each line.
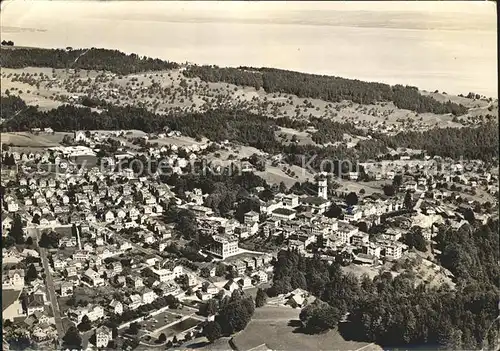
x,y
109,217
93,278
103,335
116,307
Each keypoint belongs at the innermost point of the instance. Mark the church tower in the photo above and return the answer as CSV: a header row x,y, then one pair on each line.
x,y
322,188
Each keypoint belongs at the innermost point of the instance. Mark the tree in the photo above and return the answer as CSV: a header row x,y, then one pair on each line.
x,y
212,331
414,238
85,325
72,339
450,338
282,187
469,215
31,274
187,224
36,219
397,181
408,200
162,338
205,272
351,199
266,195
260,298
183,281
134,328
235,316
74,231
389,190
209,308
334,211
44,241
114,332
16,231
220,270
319,316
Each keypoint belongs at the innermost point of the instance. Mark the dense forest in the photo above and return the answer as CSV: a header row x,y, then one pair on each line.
x,y
90,59
326,88
479,142
257,131
392,311
11,106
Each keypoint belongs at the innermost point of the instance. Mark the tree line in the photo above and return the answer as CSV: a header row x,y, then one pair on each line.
x,y
257,130
233,314
395,311
479,142
89,59
327,88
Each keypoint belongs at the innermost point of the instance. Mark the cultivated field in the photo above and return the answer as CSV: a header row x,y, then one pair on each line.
x,y
25,139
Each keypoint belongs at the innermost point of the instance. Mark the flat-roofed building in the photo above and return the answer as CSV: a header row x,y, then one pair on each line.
x,y
223,246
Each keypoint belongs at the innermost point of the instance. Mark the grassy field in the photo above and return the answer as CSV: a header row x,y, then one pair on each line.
x,y
274,327
24,139
202,344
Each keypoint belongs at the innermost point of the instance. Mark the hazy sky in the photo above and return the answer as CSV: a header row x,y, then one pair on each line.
x,y
16,11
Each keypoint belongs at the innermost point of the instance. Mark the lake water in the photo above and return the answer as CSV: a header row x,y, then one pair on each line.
x,y
426,47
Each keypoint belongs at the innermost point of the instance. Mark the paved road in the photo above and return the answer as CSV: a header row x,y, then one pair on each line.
x,y
50,286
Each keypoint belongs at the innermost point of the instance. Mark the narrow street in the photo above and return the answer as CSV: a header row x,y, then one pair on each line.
x,y
50,286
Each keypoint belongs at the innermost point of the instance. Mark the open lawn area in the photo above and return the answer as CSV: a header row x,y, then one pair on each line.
x,y
274,327
25,139
202,343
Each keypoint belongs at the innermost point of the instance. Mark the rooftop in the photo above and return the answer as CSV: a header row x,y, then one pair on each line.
x,y
314,200
283,211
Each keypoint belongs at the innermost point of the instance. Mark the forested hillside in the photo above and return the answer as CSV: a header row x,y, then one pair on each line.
x,y
91,59
258,131
469,143
326,88
393,312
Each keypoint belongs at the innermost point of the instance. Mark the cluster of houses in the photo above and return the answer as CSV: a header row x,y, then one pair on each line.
x,y
100,219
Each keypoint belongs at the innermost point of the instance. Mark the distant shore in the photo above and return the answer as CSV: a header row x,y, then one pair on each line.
x,y
368,45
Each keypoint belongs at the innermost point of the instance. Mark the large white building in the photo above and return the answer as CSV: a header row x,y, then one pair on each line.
x,y
223,246
163,275
103,335
346,231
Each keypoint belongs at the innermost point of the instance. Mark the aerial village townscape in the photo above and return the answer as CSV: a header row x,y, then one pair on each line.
x,y
154,205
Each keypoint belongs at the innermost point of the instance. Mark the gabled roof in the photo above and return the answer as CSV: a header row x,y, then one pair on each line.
x,y
34,301
314,200
229,283
114,303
